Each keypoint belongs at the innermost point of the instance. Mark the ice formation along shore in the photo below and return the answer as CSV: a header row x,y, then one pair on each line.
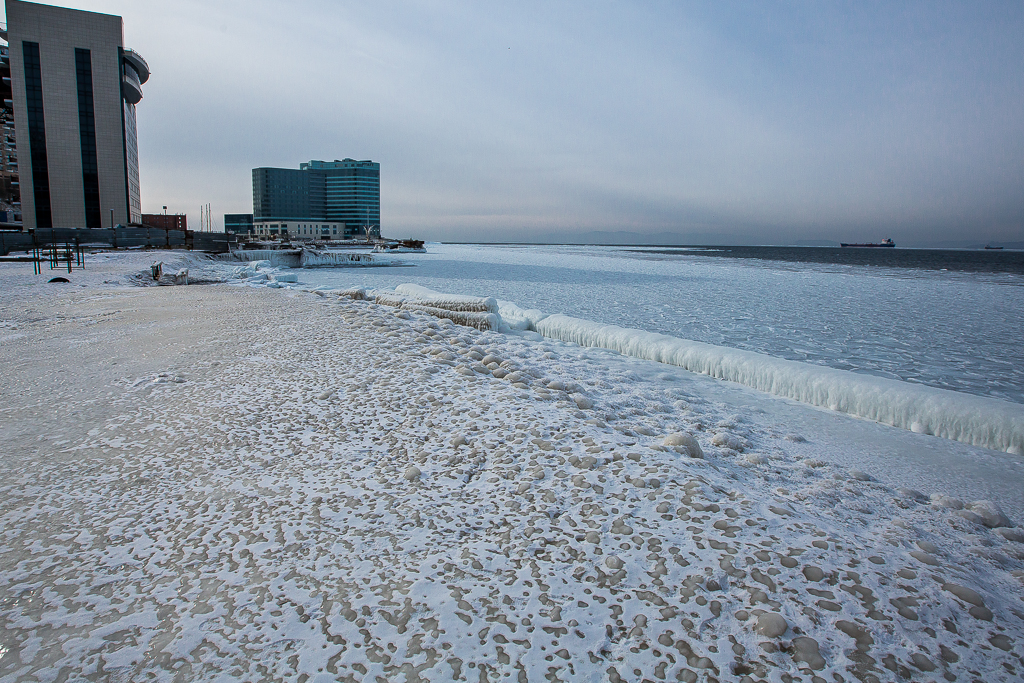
x,y
975,420
401,498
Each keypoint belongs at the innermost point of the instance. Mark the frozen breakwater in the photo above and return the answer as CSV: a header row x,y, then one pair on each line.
x,y
307,258
392,496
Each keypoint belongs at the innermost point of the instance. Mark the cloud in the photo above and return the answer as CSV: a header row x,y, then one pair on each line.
x,y
742,120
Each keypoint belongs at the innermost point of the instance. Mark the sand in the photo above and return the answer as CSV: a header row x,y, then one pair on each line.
x,y
242,483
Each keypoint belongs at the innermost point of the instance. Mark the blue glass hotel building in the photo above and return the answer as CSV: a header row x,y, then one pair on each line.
x,y
336,199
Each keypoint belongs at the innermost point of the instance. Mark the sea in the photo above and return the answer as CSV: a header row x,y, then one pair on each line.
x,y
943,318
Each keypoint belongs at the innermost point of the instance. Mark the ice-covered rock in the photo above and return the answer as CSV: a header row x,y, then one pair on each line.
x,y
683,443
944,501
727,440
581,401
355,293
991,514
1011,534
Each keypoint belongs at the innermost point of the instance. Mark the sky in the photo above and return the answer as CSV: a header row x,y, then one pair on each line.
x,y
679,122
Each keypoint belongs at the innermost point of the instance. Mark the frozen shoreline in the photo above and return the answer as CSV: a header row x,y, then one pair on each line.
x,y
275,483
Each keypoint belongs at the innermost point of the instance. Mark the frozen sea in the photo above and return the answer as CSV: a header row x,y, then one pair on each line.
x,y
956,329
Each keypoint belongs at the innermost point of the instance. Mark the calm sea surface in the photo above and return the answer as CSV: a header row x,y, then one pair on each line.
x,y
949,319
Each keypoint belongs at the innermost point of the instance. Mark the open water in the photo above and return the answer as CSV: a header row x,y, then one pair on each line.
x,y
949,319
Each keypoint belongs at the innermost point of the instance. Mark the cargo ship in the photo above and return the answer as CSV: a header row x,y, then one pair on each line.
x,y
884,243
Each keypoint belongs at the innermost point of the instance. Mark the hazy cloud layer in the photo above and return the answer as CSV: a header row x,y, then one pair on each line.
x,y
716,122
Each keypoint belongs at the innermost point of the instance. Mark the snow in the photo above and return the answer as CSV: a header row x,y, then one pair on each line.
x,y
240,483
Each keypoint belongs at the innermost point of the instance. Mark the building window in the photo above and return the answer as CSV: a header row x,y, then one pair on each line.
x,y
37,134
87,135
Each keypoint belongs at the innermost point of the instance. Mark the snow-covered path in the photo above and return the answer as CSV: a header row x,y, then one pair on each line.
x,y
208,483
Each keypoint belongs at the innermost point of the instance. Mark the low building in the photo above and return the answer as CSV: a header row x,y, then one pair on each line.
x,y
302,230
164,221
238,223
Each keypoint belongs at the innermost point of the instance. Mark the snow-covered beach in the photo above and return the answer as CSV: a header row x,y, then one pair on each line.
x,y
245,483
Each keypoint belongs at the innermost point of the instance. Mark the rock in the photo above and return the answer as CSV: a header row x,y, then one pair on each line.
x,y
727,440
812,573
412,473
595,538
772,625
991,514
1003,642
964,593
582,402
613,562
806,650
914,494
858,475
459,441
1015,535
944,501
924,557
971,517
922,662
556,385
684,444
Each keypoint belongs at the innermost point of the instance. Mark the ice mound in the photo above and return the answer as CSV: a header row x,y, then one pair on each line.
x,y
450,302
472,311
313,258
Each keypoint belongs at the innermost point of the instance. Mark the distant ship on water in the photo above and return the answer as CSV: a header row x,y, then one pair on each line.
x,y
884,243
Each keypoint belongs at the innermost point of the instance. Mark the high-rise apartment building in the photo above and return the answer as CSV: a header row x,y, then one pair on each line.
x,y
75,87
329,192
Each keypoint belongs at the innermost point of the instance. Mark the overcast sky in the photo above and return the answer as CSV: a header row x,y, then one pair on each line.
x,y
760,122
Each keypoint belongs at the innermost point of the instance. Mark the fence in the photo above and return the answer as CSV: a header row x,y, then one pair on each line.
x,y
118,238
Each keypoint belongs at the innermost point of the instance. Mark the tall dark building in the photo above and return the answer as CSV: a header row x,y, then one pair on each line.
x,y
74,90
342,193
